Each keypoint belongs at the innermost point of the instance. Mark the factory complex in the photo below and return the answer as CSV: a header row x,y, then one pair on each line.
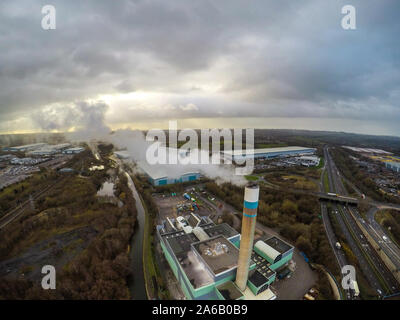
x,y
162,174
216,262
44,149
368,150
266,153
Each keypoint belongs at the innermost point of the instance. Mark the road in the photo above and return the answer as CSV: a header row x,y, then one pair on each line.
x,y
378,275
339,254
390,248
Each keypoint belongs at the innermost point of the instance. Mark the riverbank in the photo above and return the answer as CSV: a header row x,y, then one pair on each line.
x,y
153,281
137,287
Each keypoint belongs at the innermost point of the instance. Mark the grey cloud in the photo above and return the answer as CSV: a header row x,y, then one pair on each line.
x,y
273,58
79,115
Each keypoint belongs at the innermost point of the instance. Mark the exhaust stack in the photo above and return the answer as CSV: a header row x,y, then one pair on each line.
x,y
250,205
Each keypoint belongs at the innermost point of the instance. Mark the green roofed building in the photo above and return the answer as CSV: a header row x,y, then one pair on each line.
x,y
204,259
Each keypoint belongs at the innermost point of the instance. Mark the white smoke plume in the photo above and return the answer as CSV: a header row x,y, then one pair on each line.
x,y
85,122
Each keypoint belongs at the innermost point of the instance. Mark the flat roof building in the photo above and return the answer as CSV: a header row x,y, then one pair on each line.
x,y
206,267
26,147
73,150
163,174
49,149
267,153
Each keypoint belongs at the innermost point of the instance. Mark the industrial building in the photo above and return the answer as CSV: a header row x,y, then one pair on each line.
x,y
163,174
24,148
368,150
266,153
48,150
26,161
395,166
6,157
214,262
44,149
309,161
73,150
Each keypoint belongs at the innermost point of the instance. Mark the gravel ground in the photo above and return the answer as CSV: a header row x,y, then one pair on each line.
x,y
301,280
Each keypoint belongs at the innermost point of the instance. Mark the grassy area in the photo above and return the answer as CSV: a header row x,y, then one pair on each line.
x,y
19,192
68,206
148,263
321,163
251,178
270,145
300,182
293,181
389,223
326,181
154,283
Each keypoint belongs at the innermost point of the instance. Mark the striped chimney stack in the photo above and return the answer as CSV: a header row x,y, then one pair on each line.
x,y
251,193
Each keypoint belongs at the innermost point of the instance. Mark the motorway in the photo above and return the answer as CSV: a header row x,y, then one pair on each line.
x,y
376,272
339,254
389,247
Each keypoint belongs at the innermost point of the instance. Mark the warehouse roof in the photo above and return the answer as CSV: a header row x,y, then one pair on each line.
x,y
193,266
33,145
257,279
180,241
278,244
74,149
264,150
159,171
220,229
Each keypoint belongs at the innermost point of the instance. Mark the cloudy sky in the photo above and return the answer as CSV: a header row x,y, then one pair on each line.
x,y
217,63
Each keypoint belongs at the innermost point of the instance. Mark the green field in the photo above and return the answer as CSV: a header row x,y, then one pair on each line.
x,y
251,178
270,145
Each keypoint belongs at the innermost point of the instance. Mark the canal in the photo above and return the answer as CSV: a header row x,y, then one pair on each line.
x,y
137,286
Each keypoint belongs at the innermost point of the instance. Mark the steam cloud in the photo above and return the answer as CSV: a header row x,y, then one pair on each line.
x,y
85,123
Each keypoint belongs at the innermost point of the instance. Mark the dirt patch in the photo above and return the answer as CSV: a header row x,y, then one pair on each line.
x,y
57,251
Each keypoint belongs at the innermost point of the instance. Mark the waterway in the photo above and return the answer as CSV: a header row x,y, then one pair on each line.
x,y
107,189
137,286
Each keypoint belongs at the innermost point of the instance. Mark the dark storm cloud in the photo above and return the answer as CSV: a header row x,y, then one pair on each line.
x,y
270,58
